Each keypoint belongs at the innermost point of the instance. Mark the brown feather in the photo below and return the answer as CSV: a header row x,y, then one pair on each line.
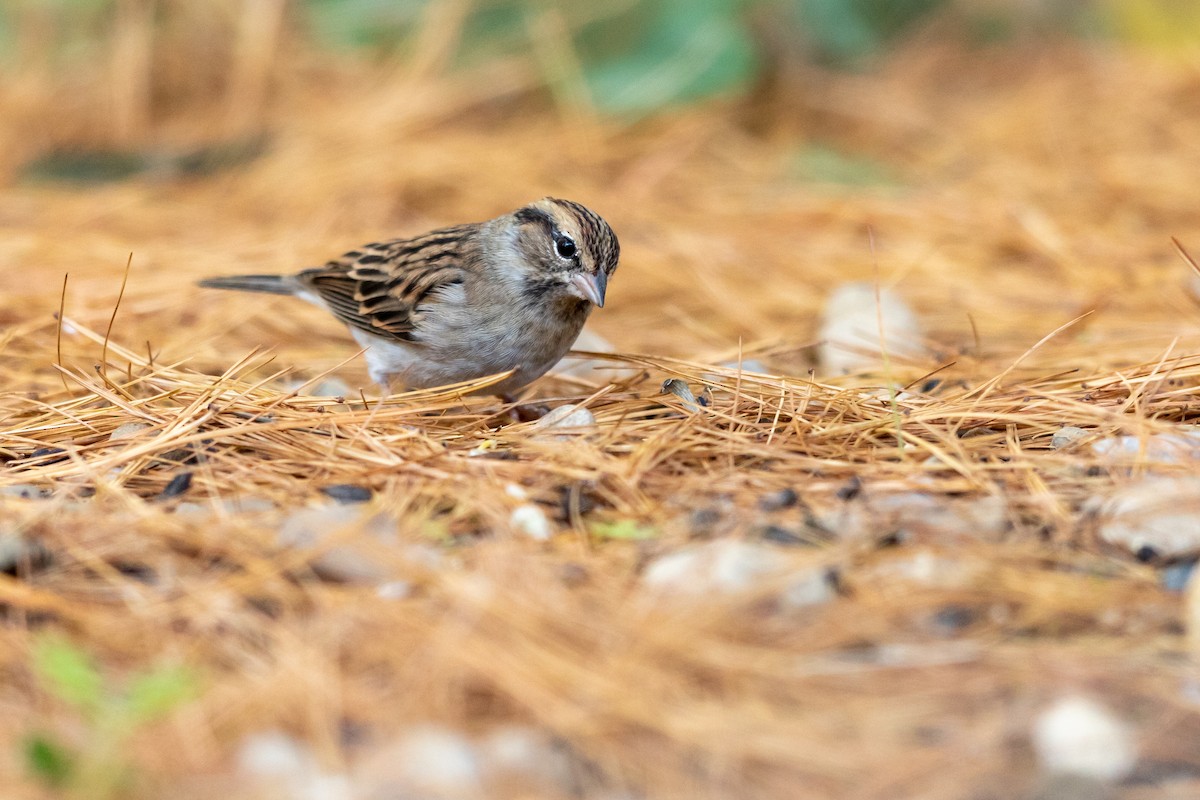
x,y
380,288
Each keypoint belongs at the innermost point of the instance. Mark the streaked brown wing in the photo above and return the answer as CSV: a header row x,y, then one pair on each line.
x,y
380,287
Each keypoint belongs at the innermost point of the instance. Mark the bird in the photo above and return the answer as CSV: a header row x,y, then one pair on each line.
x,y
464,302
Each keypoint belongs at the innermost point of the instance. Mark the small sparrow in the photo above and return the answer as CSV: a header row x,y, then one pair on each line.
x,y
464,302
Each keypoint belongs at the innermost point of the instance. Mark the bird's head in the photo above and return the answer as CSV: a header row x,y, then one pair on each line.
x,y
567,249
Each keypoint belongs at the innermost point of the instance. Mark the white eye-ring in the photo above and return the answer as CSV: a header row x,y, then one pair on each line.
x,y
565,247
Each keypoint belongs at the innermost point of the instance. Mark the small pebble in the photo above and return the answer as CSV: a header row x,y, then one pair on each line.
x,y
288,769
1078,736
128,431
952,619
812,587
45,456
190,509
1159,448
775,501
427,761
703,520
780,535
726,566
25,491
177,486
16,551
394,590
1175,577
1067,436
248,504
911,514
568,418
347,493
273,753
850,340
531,520
925,568
1159,516
850,489
347,561
527,755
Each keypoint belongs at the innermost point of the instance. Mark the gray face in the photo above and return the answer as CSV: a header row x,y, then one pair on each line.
x,y
573,251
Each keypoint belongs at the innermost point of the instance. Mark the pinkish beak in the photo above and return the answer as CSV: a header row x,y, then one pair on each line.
x,y
591,287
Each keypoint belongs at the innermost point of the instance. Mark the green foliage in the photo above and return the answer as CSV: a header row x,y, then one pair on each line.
x,y
154,694
98,768
634,56
363,23
820,164
68,673
48,761
623,529
664,52
846,32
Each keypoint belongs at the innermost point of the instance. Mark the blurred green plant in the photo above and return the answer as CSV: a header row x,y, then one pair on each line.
x,y
665,52
627,529
98,769
628,57
846,32
817,163
378,24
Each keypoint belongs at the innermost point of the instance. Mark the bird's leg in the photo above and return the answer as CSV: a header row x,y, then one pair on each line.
x,y
518,412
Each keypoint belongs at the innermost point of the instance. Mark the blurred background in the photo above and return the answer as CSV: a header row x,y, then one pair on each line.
x,y
752,154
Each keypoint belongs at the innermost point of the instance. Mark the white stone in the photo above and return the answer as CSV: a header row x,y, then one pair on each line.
x,y
273,753
25,491
926,568
568,418
530,520
128,431
850,329
726,566
1078,736
920,514
285,768
189,509
428,761
810,588
1161,513
1066,436
1158,448
394,590
526,753
15,549
347,560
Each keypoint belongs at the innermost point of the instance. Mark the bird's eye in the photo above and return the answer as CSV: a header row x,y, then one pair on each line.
x,y
565,247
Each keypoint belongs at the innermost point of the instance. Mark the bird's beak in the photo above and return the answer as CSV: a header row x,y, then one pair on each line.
x,y
591,287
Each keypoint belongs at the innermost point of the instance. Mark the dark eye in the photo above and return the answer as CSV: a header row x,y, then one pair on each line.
x,y
565,247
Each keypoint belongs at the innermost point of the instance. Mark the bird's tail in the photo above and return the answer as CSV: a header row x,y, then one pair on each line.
x,y
269,284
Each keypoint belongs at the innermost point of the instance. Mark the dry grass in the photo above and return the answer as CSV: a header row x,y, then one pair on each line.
x,y
1031,191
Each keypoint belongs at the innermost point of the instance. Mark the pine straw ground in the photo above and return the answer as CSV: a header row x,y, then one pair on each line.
x,y
1027,192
